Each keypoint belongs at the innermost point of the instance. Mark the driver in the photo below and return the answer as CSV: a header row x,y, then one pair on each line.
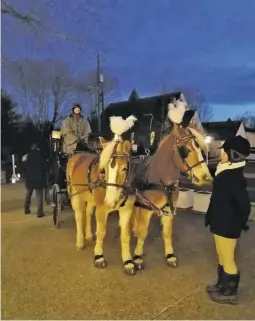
x,y
75,131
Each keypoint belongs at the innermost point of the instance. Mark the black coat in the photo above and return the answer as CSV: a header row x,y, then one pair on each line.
x,y
35,170
230,206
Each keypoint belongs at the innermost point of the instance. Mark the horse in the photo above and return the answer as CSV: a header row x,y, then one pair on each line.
x,y
88,187
156,191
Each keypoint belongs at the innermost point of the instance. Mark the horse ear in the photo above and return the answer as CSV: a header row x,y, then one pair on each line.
x,y
188,115
126,147
103,141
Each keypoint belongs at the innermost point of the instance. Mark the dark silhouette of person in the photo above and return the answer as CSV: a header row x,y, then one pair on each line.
x,y
35,179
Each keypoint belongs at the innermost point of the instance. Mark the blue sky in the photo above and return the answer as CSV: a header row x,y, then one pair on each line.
x,y
199,45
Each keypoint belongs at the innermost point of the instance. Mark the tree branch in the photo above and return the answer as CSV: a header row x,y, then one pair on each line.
x,y
28,19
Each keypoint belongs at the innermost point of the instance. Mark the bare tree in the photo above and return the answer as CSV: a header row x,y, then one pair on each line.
x,y
197,101
44,86
33,18
194,98
248,119
39,17
86,89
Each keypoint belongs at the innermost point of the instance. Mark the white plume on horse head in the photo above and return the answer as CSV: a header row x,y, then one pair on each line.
x,y
176,111
119,125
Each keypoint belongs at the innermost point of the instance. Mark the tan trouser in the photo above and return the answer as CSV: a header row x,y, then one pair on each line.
x,y
226,251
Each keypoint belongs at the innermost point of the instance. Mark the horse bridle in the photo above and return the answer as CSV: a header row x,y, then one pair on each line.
x,y
113,158
183,158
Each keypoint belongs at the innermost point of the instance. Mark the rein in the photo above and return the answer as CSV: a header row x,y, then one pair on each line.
x,y
128,190
189,168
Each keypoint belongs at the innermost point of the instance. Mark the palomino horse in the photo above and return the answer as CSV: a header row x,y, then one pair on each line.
x,y
155,189
87,184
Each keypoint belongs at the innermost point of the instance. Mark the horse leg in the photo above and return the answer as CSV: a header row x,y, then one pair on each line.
x,y
101,219
88,227
125,216
79,207
142,220
167,231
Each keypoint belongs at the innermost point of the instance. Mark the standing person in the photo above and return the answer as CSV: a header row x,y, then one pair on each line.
x,y
227,216
35,179
75,131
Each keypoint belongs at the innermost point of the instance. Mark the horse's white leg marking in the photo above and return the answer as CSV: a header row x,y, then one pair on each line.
x,y
125,215
112,192
101,219
88,228
142,229
79,207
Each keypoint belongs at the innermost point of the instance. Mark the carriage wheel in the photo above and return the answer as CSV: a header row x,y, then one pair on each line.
x,y
56,205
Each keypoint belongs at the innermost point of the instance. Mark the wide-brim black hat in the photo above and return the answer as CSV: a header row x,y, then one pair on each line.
x,y
238,144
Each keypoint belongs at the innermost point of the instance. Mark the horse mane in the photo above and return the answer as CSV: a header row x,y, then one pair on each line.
x,y
106,154
199,134
159,161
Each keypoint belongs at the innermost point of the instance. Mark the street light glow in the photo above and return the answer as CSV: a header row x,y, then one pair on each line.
x,y
208,139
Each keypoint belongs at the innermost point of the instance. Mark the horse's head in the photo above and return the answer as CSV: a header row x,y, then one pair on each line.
x,y
181,150
189,147
115,159
115,164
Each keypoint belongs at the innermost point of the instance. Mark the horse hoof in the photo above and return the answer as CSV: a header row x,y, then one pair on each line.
x,y
100,265
130,271
80,248
172,264
139,266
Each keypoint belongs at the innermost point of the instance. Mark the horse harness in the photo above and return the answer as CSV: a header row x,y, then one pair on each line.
x,y
128,190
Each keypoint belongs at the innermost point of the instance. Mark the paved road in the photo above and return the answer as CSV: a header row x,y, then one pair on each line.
x,y
44,277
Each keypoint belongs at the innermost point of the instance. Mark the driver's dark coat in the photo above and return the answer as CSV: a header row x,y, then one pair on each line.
x,y
230,206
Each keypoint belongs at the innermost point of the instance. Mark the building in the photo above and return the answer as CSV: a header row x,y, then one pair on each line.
x,y
151,113
221,131
250,132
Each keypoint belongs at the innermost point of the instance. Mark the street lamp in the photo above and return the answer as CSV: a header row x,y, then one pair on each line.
x,y
208,140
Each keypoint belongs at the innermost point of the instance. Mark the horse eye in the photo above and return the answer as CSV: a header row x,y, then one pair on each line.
x,y
102,171
113,163
196,143
184,151
124,169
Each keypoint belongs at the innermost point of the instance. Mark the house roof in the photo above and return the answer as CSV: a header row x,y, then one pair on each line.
x,y
222,130
140,106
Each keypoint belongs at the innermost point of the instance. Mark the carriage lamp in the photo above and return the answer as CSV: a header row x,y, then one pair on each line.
x,y
55,134
208,140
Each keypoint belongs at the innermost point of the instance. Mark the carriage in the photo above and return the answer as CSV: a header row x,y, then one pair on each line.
x,y
56,192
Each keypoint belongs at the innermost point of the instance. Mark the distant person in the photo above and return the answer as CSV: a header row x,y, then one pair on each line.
x,y
35,179
227,216
75,131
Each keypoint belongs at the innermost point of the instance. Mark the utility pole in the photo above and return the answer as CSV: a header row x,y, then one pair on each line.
x,y
100,93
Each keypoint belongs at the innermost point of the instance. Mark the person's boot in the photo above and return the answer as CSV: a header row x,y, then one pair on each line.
x,y
217,286
228,291
40,215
